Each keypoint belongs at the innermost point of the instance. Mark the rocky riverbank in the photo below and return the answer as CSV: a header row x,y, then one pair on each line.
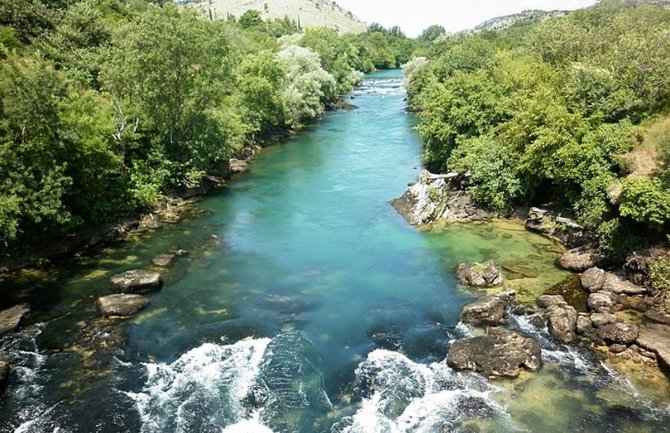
x,y
609,306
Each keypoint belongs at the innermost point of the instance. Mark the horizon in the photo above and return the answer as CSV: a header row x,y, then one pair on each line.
x,y
453,16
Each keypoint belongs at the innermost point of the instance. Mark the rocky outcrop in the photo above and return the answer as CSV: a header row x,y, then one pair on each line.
x,y
655,337
163,260
556,227
11,318
121,304
580,259
501,353
4,374
136,281
480,274
438,197
487,310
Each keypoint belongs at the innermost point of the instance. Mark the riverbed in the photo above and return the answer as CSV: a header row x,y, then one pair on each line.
x,y
306,304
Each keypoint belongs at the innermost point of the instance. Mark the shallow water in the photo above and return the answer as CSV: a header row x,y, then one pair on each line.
x,y
306,305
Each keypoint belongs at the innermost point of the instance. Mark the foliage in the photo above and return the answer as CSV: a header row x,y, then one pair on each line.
x,y
646,201
659,274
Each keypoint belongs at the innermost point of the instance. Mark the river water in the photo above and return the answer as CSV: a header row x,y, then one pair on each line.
x,y
306,305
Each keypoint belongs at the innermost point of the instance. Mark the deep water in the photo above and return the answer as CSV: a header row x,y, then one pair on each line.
x,y
306,305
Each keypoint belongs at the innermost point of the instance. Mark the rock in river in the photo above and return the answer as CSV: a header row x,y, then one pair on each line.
x,y
656,338
136,281
562,323
579,259
601,302
11,318
163,260
487,310
480,274
593,279
619,333
501,353
121,305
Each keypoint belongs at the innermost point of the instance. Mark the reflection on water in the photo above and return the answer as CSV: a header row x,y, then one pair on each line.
x,y
306,305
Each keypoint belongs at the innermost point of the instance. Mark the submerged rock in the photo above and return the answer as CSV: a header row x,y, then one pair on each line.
x,y
4,374
163,260
480,274
136,281
121,304
501,353
487,310
11,318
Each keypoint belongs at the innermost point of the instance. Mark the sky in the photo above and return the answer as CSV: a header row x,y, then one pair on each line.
x,y
413,16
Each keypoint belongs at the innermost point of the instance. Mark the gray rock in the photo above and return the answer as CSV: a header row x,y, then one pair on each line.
x,y
501,353
579,259
593,279
238,166
551,225
488,310
546,301
602,319
619,286
562,323
136,281
150,222
163,260
480,274
658,316
11,318
601,302
619,333
584,325
655,337
4,374
618,348
537,321
121,304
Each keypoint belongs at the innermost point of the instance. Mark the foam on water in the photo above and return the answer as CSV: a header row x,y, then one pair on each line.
x,y
388,86
401,396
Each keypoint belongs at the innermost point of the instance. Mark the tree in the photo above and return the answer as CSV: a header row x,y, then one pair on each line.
x,y
432,33
250,19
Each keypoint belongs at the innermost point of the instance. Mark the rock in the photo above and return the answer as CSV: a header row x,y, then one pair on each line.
x,y
4,374
11,318
181,253
584,325
163,260
656,338
562,323
601,302
658,316
501,353
620,286
520,270
238,166
149,222
593,279
121,304
618,348
480,275
537,321
488,310
136,281
619,333
550,225
546,301
602,319
579,259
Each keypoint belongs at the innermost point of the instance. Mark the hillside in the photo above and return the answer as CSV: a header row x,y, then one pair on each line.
x,y
309,13
527,16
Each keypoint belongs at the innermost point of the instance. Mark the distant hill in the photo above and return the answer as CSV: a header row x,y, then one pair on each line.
x,y
309,13
523,17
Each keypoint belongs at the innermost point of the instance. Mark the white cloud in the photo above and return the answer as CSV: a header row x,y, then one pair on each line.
x,y
454,15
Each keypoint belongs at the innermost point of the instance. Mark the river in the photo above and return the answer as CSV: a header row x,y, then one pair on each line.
x,y
306,304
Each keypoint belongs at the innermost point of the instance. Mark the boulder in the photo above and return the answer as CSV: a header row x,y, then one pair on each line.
x,y
121,304
658,316
238,166
546,301
593,279
601,302
618,285
584,325
553,226
480,274
163,260
11,318
619,333
579,259
602,319
501,353
4,374
655,337
562,323
149,222
136,281
487,310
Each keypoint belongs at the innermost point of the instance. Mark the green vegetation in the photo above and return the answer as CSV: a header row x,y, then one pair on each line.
x,y
556,113
106,105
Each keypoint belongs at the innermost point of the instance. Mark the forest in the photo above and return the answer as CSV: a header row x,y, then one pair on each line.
x,y
569,113
107,105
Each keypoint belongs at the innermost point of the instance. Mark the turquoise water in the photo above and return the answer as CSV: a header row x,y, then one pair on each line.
x,y
306,304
